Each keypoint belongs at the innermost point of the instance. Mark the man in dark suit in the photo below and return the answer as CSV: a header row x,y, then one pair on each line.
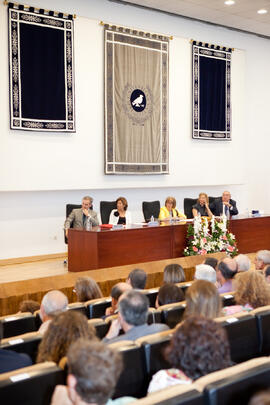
x,y
224,205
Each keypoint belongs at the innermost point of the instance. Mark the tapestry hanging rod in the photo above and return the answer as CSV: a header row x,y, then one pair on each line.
x,y
135,32
211,46
38,10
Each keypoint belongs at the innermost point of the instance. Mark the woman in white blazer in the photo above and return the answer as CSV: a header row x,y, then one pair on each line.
x,y
120,215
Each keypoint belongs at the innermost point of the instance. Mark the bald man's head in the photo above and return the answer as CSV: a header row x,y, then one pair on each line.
x,y
52,302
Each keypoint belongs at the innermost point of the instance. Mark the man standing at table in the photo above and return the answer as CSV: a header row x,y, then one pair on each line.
x,y
79,216
224,205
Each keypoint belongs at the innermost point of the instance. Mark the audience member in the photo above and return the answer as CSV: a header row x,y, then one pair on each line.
x,y
260,398
205,272
211,261
227,269
117,290
174,273
243,262
137,279
199,346
87,289
202,206
29,306
168,294
202,298
262,259
64,329
93,371
52,302
252,291
11,360
132,318
267,274
79,216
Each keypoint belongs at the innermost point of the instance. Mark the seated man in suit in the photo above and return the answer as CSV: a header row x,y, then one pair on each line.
x,y
132,318
224,205
79,216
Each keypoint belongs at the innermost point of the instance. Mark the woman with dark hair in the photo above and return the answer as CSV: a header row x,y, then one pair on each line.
x,y
169,211
168,294
202,206
198,347
174,273
64,329
120,216
87,289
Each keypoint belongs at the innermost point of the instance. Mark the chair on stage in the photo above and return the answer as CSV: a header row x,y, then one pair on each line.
x,y
106,208
69,208
150,208
188,203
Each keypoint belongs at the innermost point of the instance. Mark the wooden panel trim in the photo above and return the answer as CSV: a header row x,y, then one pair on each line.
x,y
28,259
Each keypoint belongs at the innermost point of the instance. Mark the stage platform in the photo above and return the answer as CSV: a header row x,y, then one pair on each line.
x,y
33,280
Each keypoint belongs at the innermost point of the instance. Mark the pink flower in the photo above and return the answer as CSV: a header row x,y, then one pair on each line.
x,y
204,240
224,237
230,248
195,249
203,252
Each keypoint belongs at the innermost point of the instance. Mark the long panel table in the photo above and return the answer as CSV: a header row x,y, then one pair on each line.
x,y
115,247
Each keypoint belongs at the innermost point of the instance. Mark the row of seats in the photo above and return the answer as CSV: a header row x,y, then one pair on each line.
x,y
235,385
20,323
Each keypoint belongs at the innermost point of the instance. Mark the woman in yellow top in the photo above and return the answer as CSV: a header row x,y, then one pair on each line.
x,y
169,210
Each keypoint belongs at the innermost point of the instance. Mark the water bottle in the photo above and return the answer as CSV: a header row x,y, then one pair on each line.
x,y
88,226
152,219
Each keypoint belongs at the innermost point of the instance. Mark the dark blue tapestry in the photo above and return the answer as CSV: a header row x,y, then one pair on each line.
x,y
41,70
211,92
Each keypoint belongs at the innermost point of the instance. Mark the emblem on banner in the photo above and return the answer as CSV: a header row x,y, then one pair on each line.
x,y
137,103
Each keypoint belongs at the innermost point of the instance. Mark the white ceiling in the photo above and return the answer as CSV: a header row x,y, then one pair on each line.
x,y
242,15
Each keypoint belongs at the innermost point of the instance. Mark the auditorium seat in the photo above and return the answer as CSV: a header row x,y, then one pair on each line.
x,y
262,315
27,343
176,395
96,308
32,385
17,324
235,385
78,306
172,314
151,294
184,286
242,334
133,379
228,299
153,346
100,325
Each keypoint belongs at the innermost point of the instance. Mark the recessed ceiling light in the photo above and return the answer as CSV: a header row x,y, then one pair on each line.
x,y
229,2
262,11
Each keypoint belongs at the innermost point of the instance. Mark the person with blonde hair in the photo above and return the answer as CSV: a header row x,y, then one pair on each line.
x,y
87,289
202,298
202,206
64,329
174,273
169,211
252,291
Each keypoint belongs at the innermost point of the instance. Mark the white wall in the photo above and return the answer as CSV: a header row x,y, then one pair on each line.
x,y
39,173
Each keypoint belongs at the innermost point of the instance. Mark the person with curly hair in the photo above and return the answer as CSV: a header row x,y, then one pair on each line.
x,y
64,329
87,289
199,346
252,291
202,298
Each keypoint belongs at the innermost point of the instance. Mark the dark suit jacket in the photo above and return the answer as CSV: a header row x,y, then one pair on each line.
x,y
10,360
217,207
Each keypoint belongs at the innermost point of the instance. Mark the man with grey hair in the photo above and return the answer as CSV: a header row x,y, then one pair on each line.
x,y
132,318
243,262
52,303
79,216
205,272
262,259
116,292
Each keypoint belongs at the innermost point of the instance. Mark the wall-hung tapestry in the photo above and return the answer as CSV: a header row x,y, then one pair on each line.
x,y
136,102
41,69
211,92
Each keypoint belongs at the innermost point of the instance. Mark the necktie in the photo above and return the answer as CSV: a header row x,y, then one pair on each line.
x,y
226,210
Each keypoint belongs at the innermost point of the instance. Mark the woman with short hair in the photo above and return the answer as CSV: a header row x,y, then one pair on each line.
x,y
120,215
169,211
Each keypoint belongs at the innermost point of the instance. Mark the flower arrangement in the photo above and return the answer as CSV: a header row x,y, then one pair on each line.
x,y
203,239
